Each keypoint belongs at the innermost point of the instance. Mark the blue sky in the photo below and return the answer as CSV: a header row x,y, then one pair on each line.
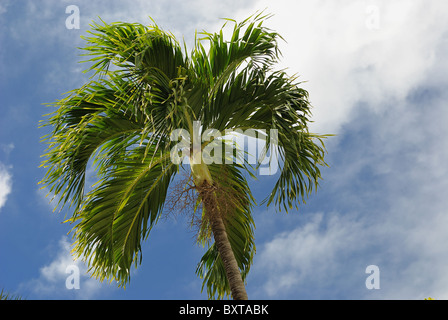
x,y
376,72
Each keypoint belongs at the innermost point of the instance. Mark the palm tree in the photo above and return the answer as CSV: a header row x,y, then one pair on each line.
x,y
144,87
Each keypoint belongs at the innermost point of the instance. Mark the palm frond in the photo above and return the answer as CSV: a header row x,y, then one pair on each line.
x,y
119,213
5,295
85,121
264,100
250,43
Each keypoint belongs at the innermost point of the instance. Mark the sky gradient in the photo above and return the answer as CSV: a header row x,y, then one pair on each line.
x,y
377,75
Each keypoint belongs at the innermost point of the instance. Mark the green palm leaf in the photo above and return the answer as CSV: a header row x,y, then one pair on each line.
x,y
119,213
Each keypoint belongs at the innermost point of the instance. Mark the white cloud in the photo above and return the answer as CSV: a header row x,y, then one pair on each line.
x,y
345,62
5,184
7,148
383,92
52,278
296,260
326,257
180,17
387,189
4,6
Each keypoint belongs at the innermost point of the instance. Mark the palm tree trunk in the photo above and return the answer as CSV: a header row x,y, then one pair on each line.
x,y
205,187
226,253
222,242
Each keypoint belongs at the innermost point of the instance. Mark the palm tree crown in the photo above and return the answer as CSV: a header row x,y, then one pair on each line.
x,y
145,87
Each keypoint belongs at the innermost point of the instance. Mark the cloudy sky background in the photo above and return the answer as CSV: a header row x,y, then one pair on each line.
x,y
376,72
